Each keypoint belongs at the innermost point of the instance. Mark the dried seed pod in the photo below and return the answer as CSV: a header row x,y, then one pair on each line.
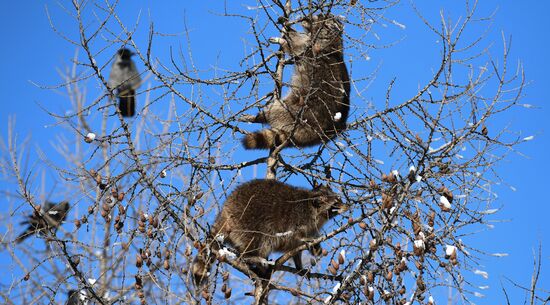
x,y
84,219
332,270
324,252
199,195
370,293
120,196
225,276
341,259
163,173
141,295
484,130
205,294
389,276
27,277
370,277
373,184
188,251
363,225
155,222
142,217
139,282
334,264
228,293
373,245
420,284
97,178
77,223
76,260
139,261
402,290
166,264
431,219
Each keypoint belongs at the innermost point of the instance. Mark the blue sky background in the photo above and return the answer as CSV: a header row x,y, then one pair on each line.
x,y
32,52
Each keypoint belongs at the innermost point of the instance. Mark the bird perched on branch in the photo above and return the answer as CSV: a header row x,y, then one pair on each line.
x,y
49,218
125,79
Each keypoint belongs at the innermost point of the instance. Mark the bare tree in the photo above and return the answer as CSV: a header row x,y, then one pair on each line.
x,y
416,173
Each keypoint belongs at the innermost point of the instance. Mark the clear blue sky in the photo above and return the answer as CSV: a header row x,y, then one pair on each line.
x,y
32,52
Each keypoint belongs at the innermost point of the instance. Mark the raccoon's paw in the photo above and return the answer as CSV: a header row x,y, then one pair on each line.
x,y
315,250
248,118
277,40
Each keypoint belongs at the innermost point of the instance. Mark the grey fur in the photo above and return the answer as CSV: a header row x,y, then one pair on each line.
x,y
320,89
264,216
125,79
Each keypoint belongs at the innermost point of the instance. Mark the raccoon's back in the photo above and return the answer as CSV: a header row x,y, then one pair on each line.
x,y
267,206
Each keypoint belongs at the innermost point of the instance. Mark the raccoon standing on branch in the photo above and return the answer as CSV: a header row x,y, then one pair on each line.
x,y
317,107
264,216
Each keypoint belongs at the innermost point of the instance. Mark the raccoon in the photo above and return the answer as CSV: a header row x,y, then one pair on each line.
x,y
317,106
264,216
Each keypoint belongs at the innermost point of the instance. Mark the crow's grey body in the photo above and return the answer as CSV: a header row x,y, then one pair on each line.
x,y
125,79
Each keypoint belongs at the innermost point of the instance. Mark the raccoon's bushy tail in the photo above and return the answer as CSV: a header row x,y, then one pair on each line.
x,y
264,139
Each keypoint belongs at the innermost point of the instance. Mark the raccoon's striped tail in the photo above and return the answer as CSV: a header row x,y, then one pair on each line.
x,y
264,139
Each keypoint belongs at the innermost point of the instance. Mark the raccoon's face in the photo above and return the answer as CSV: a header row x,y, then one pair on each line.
x,y
329,202
326,33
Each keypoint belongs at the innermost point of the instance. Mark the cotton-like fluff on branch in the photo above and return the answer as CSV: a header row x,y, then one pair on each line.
x,y
450,251
484,274
337,116
444,204
90,137
479,295
418,247
490,211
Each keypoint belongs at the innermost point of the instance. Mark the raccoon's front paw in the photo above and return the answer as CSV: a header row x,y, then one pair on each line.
x,y
247,118
277,40
316,249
